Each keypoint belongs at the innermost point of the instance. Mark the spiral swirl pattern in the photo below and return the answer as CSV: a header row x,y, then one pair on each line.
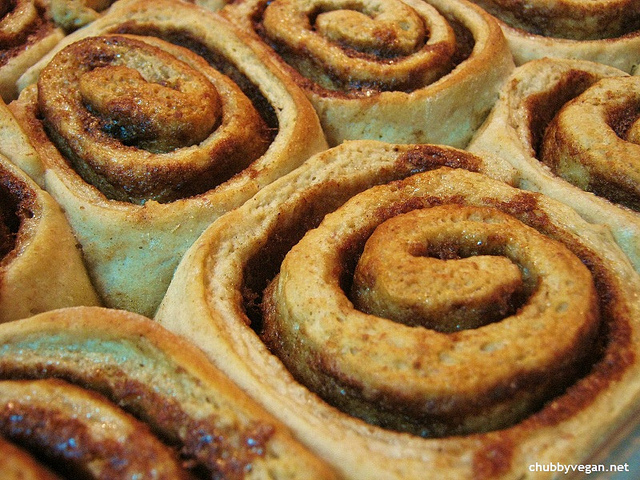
x,y
170,414
150,126
300,305
125,114
366,46
390,70
587,133
401,377
606,31
570,129
26,34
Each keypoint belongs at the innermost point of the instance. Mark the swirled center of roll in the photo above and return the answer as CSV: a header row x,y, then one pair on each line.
x,y
433,346
16,19
342,44
593,141
570,19
153,116
419,269
142,119
385,33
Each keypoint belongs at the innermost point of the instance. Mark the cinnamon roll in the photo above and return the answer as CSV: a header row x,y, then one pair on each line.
x,y
400,71
26,34
604,31
569,127
151,125
41,266
29,29
67,374
405,314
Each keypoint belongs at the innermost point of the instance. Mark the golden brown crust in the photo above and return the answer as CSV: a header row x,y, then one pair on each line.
x,y
604,31
522,130
178,398
380,85
41,266
233,261
122,239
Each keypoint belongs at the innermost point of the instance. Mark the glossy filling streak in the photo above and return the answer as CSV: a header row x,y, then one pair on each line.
x,y
356,49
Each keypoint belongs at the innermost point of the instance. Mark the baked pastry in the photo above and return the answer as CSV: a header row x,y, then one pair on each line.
x,y
15,146
603,31
397,71
380,397
26,34
552,107
170,414
31,28
139,182
41,266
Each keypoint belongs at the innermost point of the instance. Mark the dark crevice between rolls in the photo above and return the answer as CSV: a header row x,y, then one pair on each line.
x,y
16,205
